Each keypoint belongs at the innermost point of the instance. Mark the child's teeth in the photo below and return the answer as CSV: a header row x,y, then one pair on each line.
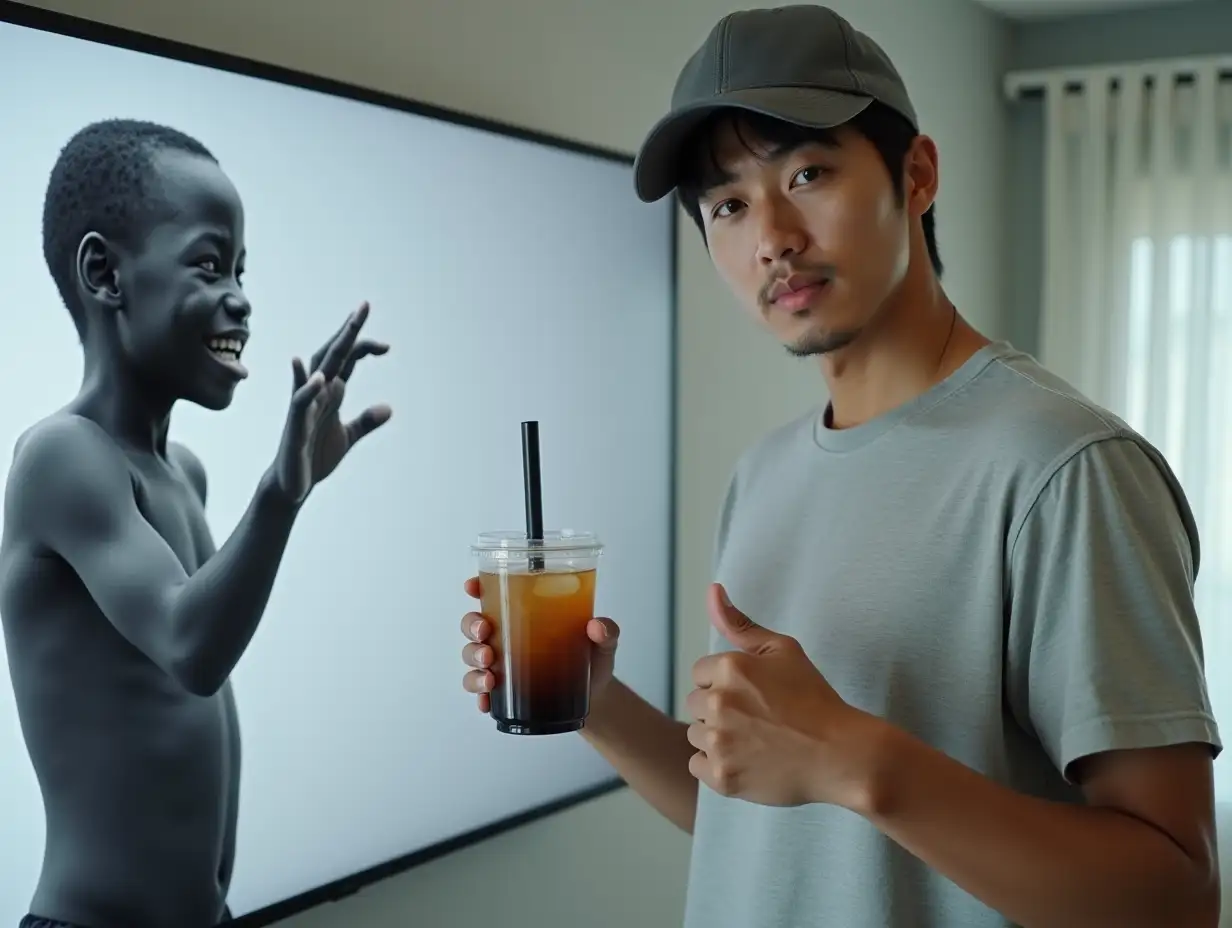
x,y
230,348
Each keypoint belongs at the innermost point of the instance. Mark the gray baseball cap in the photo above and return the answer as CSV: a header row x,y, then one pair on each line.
x,y
803,64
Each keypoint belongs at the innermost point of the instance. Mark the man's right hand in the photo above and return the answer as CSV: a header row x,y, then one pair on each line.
x,y
478,654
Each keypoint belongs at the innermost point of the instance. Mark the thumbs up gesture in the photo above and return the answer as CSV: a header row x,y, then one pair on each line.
x,y
769,728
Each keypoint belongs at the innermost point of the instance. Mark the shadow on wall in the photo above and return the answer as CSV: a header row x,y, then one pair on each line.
x,y
1202,27
1025,215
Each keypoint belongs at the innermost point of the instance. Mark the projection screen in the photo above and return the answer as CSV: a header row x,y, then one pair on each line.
x,y
516,277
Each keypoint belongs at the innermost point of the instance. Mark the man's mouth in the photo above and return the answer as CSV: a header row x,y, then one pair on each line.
x,y
796,293
801,298
226,350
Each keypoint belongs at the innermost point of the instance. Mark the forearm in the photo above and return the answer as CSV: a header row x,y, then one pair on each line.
x,y
649,750
1041,864
216,612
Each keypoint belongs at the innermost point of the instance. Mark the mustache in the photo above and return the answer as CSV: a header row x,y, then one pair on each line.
x,y
781,273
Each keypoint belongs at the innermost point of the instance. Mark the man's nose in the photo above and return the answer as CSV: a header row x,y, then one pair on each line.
x,y
780,234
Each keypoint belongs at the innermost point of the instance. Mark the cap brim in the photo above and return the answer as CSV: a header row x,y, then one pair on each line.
x,y
655,168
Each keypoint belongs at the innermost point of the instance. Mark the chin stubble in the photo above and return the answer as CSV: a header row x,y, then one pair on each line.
x,y
818,344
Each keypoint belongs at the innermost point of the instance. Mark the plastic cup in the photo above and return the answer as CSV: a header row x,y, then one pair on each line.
x,y
539,596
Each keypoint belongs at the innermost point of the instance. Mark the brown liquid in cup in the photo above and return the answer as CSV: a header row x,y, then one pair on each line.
x,y
542,653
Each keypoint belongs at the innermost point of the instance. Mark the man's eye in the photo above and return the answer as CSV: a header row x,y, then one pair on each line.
x,y
209,265
806,175
724,209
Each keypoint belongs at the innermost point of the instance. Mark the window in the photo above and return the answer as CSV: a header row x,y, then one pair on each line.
x,y
1178,393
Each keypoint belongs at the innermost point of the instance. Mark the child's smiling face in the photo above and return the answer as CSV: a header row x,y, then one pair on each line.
x,y
175,290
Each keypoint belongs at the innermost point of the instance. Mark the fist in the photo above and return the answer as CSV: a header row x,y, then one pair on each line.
x,y
769,728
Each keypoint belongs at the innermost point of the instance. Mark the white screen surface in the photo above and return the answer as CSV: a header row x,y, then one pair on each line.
x,y
514,281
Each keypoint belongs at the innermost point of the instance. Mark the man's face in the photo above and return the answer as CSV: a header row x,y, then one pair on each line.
x,y
183,319
811,239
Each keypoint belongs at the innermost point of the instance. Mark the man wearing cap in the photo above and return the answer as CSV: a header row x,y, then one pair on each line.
x,y
957,676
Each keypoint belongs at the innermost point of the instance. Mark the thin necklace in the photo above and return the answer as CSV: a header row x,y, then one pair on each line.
x,y
827,414
949,335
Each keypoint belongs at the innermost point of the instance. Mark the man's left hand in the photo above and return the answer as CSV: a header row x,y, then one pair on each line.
x,y
769,728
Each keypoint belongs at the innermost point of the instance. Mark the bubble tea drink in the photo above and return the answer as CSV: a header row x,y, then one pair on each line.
x,y
539,595
538,589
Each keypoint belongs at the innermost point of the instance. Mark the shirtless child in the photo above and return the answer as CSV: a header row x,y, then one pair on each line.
x,y
122,621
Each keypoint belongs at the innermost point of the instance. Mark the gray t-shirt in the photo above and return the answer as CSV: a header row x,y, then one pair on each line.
x,y
999,567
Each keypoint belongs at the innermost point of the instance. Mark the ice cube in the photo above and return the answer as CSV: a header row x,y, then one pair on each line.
x,y
552,585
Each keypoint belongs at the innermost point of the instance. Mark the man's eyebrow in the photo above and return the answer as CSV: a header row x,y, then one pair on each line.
x,y
718,176
784,149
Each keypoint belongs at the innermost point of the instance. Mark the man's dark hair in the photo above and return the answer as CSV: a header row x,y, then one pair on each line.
x,y
104,181
888,132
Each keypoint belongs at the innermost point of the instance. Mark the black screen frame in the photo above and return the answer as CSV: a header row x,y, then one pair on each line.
x,y
19,14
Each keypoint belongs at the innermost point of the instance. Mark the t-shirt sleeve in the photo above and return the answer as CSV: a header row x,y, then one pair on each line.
x,y
1104,649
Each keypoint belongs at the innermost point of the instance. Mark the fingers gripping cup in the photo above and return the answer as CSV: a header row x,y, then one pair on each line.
x,y
539,594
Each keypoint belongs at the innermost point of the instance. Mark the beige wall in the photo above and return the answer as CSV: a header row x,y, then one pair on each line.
x,y
601,71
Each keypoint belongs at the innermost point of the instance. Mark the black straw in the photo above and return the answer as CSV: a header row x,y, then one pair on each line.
x,y
533,488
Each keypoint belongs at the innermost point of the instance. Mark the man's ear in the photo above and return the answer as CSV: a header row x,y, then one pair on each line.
x,y
98,271
922,175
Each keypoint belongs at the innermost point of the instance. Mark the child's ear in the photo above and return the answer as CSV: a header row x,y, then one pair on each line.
x,y
98,272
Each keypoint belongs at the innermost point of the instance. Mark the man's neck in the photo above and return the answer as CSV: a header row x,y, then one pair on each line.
x,y
917,341
123,405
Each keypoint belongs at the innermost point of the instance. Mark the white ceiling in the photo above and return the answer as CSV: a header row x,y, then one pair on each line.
x,y
1052,9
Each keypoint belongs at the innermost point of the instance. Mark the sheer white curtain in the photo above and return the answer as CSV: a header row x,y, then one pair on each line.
x,y
1137,295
